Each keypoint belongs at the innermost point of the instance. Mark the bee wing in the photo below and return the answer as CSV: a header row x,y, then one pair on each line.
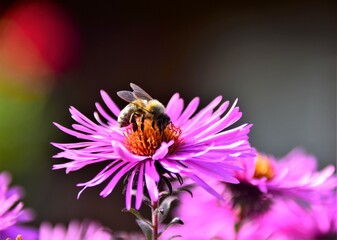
x,y
140,93
127,96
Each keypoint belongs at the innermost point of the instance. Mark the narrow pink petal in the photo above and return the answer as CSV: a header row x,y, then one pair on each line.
x,y
82,119
128,193
240,131
189,111
105,114
64,146
196,120
124,154
103,174
174,107
110,104
210,129
162,151
171,104
323,175
216,170
108,189
84,129
99,120
74,133
179,106
140,187
172,166
205,186
151,179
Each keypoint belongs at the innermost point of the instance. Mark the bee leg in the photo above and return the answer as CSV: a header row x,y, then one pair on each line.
x,y
142,125
160,126
161,130
134,122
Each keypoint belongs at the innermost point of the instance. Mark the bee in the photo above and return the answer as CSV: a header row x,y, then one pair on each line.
x,y
142,105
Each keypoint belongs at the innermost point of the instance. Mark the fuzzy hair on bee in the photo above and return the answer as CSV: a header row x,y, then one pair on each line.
x,y
141,106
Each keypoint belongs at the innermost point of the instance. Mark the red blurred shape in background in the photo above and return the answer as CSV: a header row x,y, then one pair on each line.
x,y
38,39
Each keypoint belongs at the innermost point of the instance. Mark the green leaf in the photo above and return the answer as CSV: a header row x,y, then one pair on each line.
x,y
175,236
137,214
164,194
173,221
146,228
165,207
186,188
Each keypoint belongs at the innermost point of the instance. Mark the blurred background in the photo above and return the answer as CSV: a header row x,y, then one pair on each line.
x,y
278,58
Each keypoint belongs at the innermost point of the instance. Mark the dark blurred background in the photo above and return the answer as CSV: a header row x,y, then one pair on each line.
x,y
277,57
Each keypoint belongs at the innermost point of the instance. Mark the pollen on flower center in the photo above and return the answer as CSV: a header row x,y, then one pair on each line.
x,y
263,167
145,142
18,237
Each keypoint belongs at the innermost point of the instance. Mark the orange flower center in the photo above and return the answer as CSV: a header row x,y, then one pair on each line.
x,y
145,142
263,167
18,237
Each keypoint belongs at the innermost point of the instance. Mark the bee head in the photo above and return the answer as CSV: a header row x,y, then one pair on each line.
x,y
162,121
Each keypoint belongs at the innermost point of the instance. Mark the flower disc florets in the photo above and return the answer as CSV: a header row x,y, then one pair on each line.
x,y
145,142
263,167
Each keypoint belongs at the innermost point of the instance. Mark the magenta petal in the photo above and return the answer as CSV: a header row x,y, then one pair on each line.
x,y
162,151
108,189
189,111
111,105
80,118
105,114
151,179
172,166
175,107
125,154
205,186
128,193
73,133
199,118
323,175
170,108
103,175
215,170
140,188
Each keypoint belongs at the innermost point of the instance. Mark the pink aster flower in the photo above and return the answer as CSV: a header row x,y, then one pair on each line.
x,y
76,230
206,218
294,176
12,213
287,220
193,144
285,199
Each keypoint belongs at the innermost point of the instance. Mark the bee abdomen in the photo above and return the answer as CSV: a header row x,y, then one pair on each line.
x,y
125,115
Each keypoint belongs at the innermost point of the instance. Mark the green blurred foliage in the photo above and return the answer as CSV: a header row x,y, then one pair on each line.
x,y
22,133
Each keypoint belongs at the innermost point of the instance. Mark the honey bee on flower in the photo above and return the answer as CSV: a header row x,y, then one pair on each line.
x,y
164,143
142,105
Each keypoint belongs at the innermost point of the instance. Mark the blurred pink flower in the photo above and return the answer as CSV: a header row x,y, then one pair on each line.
x,y
76,230
294,176
195,146
12,213
262,206
290,221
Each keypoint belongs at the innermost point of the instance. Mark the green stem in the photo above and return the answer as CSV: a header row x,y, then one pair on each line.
x,y
154,220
